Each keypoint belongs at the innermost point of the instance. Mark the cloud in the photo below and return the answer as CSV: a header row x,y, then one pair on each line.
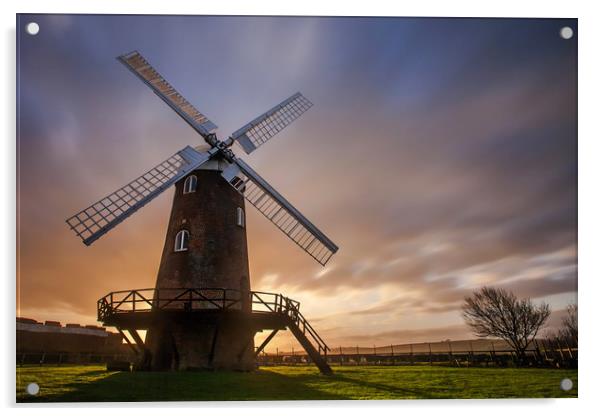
x,y
438,160
417,335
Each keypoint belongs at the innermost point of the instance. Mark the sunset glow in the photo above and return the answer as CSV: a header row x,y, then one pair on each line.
x,y
440,156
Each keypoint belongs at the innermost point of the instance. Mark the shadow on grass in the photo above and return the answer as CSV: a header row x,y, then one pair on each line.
x,y
187,386
398,392
88,385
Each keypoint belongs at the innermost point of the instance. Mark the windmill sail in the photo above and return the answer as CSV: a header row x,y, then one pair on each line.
x,y
279,211
136,63
270,123
100,217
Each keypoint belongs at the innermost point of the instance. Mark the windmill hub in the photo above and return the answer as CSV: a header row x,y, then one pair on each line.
x,y
202,312
211,139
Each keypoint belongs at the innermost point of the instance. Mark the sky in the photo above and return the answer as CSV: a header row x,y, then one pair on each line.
x,y
440,155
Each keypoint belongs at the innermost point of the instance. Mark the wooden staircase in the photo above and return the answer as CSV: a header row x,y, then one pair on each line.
x,y
307,336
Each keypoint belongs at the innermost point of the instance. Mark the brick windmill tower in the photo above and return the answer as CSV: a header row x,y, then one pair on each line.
x,y
202,312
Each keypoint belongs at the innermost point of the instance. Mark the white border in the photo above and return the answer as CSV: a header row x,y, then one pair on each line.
x,y
590,68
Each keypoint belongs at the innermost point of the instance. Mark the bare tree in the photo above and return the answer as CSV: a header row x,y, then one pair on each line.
x,y
492,312
569,330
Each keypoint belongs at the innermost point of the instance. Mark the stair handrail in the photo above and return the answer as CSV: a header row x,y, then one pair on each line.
x,y
296,316
314,333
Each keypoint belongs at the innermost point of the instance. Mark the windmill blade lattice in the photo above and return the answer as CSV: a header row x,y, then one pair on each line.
x,y
100,217
136,63
96,220
279,211
270,123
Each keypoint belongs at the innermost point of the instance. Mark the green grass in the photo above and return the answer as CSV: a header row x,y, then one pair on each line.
x,y
94,383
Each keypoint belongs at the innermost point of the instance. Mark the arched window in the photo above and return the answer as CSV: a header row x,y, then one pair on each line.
x,y
240,217
181,241
190,184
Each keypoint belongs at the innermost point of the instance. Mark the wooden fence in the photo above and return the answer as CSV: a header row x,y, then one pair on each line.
x,y
477,353
543,352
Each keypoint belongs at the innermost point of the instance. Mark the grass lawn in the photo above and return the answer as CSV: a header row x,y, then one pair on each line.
x,y
94,383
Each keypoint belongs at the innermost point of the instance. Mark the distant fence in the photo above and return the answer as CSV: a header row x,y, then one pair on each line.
x,y
541,352
473,353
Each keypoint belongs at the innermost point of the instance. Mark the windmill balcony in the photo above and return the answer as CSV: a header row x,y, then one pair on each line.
x,y
136,309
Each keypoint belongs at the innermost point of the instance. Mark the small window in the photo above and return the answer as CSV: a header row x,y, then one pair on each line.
x,y
238,184
190,184
240,217
181,241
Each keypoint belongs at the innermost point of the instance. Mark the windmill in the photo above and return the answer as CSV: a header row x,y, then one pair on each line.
x,y
202,313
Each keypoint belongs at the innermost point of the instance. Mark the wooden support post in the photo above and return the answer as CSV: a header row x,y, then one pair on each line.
x,y
537,351
545,350
128,341
265,342
568,349
560,349
470,356
213,344
136,338
146,357
430,355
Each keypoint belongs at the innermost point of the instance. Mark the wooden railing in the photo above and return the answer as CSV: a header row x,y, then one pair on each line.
x,y
206,299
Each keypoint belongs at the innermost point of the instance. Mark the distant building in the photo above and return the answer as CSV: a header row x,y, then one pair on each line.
x,y
50,342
